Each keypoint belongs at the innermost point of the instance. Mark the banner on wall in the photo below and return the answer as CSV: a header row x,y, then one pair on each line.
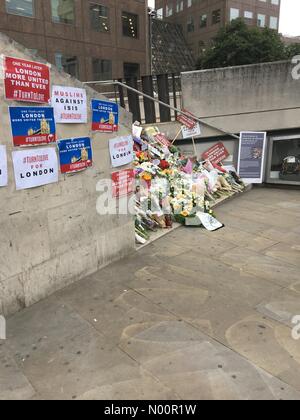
x,y
26,81
75,154
105,116
216,154
32,126
252,156
70,105
123,183
35,167
121,151
3,167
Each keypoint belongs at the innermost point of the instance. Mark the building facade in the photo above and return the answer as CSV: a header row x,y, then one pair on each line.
x,y
91,40
201,19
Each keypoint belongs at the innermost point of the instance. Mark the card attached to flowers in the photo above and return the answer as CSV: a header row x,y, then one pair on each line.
x,y
209,222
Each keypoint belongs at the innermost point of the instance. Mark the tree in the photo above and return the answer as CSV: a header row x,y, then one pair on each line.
x,y
239,44
292,50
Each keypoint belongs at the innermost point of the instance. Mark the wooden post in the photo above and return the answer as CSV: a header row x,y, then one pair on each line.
x,y
177,135
194,145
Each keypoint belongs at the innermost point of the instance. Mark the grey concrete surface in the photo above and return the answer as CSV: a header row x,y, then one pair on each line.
x,y
195,315
53,235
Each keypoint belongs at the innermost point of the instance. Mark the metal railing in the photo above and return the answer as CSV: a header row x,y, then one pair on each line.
x,y
133,99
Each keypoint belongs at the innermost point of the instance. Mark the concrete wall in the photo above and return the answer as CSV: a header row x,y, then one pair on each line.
x,y
256,97
52,236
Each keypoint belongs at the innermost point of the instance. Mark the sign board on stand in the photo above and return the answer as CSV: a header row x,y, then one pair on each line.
x,y
186,121
188,133
216,154
163,140
252,156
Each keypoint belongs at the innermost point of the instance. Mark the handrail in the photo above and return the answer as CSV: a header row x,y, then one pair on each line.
x,y
163,104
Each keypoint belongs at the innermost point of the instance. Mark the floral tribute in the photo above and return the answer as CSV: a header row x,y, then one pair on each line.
x,y
172,187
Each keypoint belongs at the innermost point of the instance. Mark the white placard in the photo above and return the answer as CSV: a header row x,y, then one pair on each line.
x,y
137,131
3,167
70,105
121,151
35,167
209,222
188,133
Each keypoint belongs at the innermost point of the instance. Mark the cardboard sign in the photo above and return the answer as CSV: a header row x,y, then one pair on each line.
x,y
35,167
184,120
121,151
3,167
123,183
70,105
216,154
188,133
75,154
32,126
105,116
163,140
26,81
252,157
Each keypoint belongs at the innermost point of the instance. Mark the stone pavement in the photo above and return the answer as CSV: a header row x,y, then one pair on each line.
x,y
195,315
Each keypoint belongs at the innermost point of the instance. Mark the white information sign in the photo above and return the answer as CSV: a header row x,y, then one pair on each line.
x,y
121,151
70,105
35,167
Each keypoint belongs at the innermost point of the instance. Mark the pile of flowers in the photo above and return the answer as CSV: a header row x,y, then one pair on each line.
x,y
174,188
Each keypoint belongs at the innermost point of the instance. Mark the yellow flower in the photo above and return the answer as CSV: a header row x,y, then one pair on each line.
x,y
146,176
185,213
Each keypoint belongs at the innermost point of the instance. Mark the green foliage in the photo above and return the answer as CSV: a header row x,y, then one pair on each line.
x,y
239,44
292,50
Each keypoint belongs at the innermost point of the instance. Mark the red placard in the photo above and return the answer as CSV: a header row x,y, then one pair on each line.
x,y
26,81
123,183
216,154
163,140
187,122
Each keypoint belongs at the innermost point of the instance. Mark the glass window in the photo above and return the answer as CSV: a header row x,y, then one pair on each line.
x,y
102,69
234,14
20,7
203,21
131,70
285,160
190,25
130,23
216,16
69,64
99,17
261,20
63,11
274,22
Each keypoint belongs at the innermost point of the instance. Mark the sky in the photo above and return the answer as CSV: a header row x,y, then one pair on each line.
x,y
290,17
